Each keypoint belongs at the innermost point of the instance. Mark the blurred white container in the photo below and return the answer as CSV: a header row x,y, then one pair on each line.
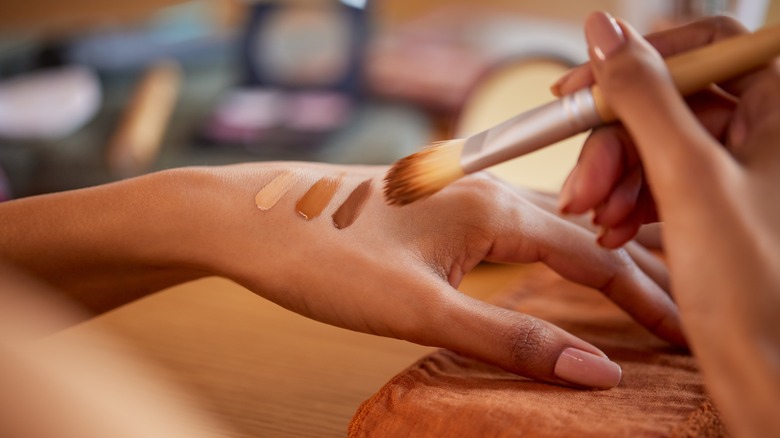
x,y
48,104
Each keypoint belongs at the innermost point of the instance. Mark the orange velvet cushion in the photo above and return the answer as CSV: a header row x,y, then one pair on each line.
x,y
445,394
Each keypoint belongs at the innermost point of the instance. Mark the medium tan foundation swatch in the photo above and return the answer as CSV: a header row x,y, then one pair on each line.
x,y
274,190
317,197
350,209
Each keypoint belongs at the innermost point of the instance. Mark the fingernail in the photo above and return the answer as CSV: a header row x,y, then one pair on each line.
x,y
568,191
555,88
586,369
603,34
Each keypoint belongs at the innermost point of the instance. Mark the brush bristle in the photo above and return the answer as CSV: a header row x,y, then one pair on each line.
x,y
423,173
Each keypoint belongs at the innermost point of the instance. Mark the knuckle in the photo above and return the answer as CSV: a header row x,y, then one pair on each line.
x,y
621,260
640,68
526,343
482,188
414,321
763,93
726,26
620,265
483,197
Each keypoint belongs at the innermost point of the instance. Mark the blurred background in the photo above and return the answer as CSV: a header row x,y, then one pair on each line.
x,y
92,92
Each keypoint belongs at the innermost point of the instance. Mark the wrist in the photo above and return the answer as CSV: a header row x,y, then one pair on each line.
x,y
181,232
106,245
212,221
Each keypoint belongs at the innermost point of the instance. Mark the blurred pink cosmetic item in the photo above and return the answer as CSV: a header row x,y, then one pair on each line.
x,y
317,111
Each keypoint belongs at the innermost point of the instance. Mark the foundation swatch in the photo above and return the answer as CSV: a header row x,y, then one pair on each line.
x,y
274,190
350,209
317,197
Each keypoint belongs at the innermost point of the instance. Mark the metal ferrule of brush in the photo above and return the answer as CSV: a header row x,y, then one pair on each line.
x,y
531,130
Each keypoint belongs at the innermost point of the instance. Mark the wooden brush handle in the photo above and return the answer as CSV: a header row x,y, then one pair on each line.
x,y
695,70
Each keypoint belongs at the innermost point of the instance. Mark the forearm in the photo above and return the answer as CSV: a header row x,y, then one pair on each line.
x,y
740,365
107,245
731,318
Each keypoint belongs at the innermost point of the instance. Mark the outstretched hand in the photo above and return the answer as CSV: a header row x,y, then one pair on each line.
x,y
394,272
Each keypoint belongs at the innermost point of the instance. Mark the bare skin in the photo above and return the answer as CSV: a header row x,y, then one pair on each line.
x,y
392,273
708,168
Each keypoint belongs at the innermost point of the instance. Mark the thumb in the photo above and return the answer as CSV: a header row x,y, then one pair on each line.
x,y
637,87
520,344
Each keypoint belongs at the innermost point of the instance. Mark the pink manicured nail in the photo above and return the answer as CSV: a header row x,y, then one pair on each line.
x,y
603,34
586,369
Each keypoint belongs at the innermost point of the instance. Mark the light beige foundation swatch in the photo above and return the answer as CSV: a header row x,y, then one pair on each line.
x,y
274,190
317,197
349,211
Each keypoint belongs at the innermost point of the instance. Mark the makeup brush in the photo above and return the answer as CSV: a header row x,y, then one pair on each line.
x,y
423,173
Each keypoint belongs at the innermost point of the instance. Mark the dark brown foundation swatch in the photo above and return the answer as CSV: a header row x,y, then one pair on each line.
x,y
350,209
317,197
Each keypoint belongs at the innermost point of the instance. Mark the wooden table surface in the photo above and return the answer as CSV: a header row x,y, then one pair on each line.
x,y
259,369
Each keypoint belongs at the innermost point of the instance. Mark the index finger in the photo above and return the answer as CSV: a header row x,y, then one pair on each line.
x,y
531,234
668,43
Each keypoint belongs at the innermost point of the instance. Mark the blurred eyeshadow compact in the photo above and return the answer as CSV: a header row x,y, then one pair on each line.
x,y
301,63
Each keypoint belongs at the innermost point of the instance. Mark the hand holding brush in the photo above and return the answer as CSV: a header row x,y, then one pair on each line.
x,y
428,171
